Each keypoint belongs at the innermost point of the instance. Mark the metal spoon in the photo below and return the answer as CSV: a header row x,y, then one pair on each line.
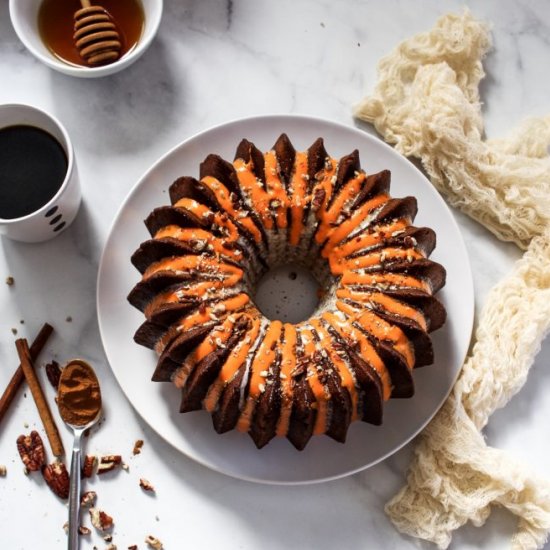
x,y
76,458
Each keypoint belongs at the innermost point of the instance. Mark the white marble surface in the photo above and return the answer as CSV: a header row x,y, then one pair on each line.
x,y
214,61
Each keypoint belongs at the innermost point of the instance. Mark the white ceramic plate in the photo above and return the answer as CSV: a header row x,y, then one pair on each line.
x,y
234,453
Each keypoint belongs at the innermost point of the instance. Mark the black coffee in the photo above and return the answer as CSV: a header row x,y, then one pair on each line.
x,y
33,166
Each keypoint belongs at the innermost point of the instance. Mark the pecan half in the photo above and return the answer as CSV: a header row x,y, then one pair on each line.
x,y
53,372
89,465
100,520
57,478
108,463
31,451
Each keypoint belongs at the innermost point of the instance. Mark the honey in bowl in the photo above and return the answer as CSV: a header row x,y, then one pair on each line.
x,y
56,26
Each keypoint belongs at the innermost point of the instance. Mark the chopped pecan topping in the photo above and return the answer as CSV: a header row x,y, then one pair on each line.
x,y
31,451
146,486
108,463
53,372
133,547
100,520
83,530
318,199
300,369
3,470
89,465
57,478
153,542
87,500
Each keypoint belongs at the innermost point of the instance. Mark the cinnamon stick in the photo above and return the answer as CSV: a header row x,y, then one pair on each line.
x,y
18,376
38,395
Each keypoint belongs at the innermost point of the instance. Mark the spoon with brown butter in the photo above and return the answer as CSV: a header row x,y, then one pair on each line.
x,y
79,402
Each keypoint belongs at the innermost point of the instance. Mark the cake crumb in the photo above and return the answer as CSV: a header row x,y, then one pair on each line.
x,y
14,331
3,470
10,280
69,319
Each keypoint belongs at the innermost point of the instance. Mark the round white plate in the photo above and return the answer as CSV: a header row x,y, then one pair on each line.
x,y
234,453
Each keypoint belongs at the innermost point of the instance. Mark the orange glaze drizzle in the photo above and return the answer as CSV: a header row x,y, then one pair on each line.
x,y
218,218
232,364
321,394
223,197
195,290
343,325
343,369
350,278
263,359
389,304
275,188
198,235
376,257
199,265
339,233
288,363
198,210
255,191
346,195
298,186
366,240
219,309
216,339
203,316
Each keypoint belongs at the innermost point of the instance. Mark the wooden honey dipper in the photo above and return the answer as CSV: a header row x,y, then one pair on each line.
x,y
96,36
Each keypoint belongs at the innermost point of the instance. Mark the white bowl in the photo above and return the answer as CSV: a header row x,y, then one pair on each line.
x,y
24,18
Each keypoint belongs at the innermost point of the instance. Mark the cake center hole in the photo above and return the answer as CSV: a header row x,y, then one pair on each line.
x,y
288,293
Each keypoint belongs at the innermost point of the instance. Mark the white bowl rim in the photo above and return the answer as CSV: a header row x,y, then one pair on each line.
x,y
71,70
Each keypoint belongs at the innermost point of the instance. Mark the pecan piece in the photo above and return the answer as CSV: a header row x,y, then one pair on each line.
x,y
100,520
3,470
137,446
133,547
83,530
318,199
57,478
146,486
87,500
53,372
153,542
108,463
89,465
31,451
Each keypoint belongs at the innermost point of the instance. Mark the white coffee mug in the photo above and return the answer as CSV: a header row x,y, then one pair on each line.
x,y
58,213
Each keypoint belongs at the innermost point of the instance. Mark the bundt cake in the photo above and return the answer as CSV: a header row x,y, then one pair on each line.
x,y
262,376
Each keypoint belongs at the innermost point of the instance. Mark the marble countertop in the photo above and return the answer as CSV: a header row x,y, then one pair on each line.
x,y
212,62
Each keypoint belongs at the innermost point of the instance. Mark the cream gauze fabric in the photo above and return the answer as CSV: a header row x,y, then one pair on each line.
x,y
426,102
